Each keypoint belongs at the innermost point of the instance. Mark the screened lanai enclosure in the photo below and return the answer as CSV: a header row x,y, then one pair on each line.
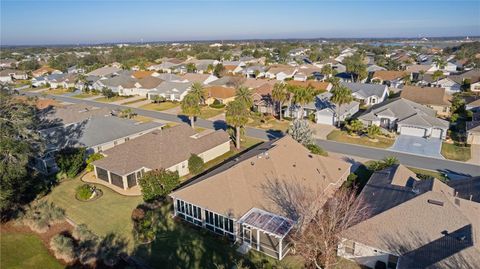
x,y
266,232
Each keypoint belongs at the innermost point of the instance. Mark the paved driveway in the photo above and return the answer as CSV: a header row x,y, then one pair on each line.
x,y
430,147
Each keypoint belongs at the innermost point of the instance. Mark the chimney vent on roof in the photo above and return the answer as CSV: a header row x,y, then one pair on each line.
x,y
435,202
252,163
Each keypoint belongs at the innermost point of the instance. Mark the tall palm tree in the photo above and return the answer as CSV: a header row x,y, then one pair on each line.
x,y
198,90
236,116
191,107
437,75
439,62
244,95
279,96
302,96
340,95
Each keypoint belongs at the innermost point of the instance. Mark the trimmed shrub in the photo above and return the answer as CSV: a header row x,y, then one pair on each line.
x,y
317,150
84,192
195,164
217,104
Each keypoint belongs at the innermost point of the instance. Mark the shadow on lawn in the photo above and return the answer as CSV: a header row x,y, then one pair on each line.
x,y
181,245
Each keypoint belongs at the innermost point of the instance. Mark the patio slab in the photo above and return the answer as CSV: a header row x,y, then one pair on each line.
x,y
90,178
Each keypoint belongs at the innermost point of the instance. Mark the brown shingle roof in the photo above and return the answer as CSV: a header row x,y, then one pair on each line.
x,y
426,95
159,149
239,185
150,82
142,74
389,74
220,92
317,85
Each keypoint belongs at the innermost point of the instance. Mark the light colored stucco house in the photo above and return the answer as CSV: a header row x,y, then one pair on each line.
x,y
432,97
168,149
235,199
407,118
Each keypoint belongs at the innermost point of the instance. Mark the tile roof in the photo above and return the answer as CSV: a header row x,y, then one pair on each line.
x,y
142,74
317,85
220,92
389,74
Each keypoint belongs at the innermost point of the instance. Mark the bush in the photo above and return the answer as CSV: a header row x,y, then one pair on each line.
x,y
84,192
63,247
317,150
144,220
158,183
195,164
40,215
91,159
70,161
217,104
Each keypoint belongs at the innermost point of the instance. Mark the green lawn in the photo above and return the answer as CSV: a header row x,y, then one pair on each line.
x,y
208,112
113,99
84,95
110,213
134,101
25,251
434,174
269,123
58,91
180,245
160,106
343,137
454,152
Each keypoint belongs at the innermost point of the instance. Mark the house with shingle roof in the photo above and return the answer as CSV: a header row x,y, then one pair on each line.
x,y
168,149
221,94
81,125
368,94
432,97
281,72
407,118
240,198
416,223
105,71
389,77
172,91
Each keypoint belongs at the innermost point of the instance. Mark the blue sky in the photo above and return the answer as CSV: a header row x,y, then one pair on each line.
x,y
34,22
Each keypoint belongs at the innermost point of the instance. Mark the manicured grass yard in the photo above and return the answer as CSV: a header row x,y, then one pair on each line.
x,y
113,99
58,91
434,174
270,123
160,106
454,152
180,245
208,112
84,95
25,251
134,101
343,137
110,213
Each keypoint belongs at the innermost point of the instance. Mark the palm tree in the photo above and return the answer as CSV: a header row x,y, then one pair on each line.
x,y
439,62
198,90
236,116
191,107
340,95
327,70
373,130
437,75
244,95
302,96
279,96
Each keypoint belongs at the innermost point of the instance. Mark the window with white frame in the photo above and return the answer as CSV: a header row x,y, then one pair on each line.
x,y
219,224
189,212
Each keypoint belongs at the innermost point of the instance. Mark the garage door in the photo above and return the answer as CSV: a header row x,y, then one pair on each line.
x,y
413,131
437,133
324,119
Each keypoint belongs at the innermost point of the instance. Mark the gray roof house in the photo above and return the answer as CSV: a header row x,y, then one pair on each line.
x,y
104,71
168,149
416,223
368,94
173,91
406,118
84,126
325,111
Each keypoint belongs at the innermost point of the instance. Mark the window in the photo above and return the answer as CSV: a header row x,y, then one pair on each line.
x,y
115,142
99,149
350,247
126,139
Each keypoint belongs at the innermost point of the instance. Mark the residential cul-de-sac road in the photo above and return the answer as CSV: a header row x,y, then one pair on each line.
x,y
430,163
